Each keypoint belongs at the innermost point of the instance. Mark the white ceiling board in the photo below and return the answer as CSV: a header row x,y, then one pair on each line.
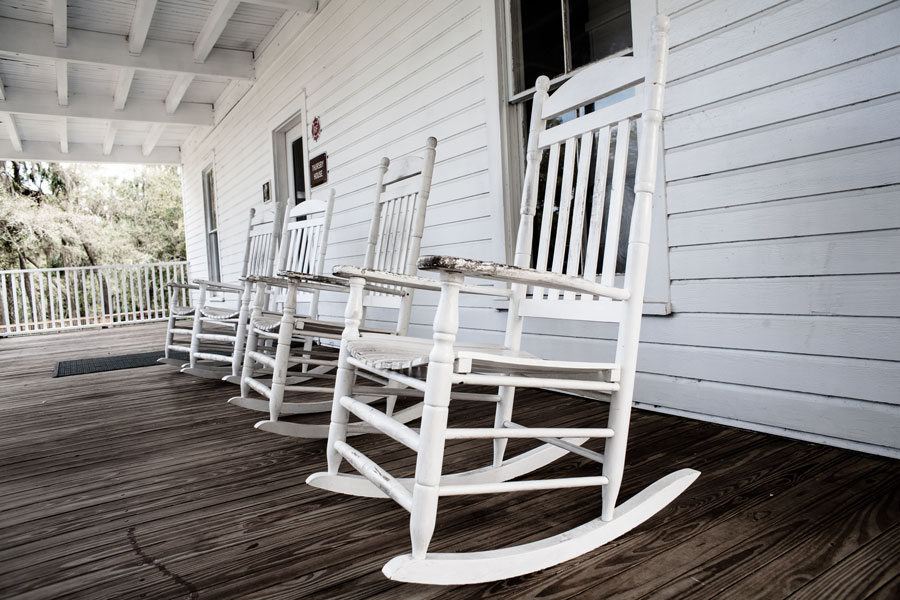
x,y
129,134
38,75
151,85
204,90
85,131
94,80
38,129
174,135
107,16
248,27
36,11
179,20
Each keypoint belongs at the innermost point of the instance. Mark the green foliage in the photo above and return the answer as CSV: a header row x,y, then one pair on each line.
x,y
54,215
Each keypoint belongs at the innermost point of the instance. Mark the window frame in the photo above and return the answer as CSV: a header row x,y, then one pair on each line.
x,y
213,247
511,106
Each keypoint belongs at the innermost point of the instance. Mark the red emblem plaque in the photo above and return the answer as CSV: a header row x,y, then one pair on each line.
x,y
316,129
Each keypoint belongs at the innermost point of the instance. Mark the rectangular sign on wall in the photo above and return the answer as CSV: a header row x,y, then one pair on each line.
x,y
318,170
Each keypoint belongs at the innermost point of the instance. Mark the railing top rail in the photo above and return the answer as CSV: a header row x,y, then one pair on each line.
x,y
119,266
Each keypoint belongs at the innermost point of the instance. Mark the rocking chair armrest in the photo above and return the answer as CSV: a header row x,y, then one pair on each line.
x,y
491,270
414,281
182,286
218,286
340,284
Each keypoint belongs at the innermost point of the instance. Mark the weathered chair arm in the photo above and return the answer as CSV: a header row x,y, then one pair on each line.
x,y
491,270
413,281
324,282
218,286
182,286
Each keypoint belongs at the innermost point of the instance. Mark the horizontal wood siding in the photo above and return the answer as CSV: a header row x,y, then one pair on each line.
x,y
782,167
381,77
783,174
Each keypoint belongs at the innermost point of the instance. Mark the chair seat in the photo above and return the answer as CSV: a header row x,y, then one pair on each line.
x,y
395,352
219,314
183,311
304,326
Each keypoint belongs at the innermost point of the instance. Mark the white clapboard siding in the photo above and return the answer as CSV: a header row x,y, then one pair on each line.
x,y
847,337
840,254
774,22
848,423
783,193
855,168
857,125
855,210
867,34
844,85
862,379
854,295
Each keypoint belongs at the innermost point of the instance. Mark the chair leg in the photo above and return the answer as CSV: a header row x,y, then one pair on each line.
x,y
240,335
430,459
503,414
614,452
169,335
343,384
195,330
282,353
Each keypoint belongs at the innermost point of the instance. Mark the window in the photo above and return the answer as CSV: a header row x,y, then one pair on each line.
x,y
212,227
555,38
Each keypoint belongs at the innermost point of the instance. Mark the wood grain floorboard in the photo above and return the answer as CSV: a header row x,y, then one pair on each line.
x,y
144,483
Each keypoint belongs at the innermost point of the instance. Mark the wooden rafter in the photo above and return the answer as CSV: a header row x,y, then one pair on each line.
x,y
123,86
22,39
12,131
85,106
50,151
62,82
60,22
140,25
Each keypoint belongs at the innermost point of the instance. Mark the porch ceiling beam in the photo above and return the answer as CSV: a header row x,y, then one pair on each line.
x,y
24,39
213,28
62,82
15,142
84,106
156,130
177,91
109,138
60,12
140,25
305,6
2,91
126,76
64,135
50,151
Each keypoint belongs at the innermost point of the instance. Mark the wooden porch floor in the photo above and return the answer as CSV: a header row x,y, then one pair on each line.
x,y
144,484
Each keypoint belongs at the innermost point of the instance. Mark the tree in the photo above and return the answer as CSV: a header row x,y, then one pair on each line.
x,y
54,215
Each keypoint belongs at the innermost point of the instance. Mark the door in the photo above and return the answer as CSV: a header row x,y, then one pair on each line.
x,y
295,158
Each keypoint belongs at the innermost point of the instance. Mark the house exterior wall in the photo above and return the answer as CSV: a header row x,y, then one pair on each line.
x,y
782,171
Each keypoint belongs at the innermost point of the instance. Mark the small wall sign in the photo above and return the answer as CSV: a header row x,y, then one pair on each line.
x,y
266,194
318,170
316,129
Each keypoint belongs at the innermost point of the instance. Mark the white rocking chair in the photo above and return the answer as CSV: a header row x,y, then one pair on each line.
x,y
257,257
565,285
395,236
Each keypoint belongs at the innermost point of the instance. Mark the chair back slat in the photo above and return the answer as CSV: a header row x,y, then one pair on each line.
x,y
598,198
398,221
585,146
616,204
547,215
586,192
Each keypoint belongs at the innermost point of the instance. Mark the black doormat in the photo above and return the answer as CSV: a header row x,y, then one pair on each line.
x,y
111,363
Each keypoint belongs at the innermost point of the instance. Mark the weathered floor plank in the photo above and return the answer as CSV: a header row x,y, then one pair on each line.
x,y
143,483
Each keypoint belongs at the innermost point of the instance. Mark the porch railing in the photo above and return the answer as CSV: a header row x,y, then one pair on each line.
x,y
38,300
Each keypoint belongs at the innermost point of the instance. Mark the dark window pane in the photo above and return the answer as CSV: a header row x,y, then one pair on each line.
x,y
598,28
537,41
